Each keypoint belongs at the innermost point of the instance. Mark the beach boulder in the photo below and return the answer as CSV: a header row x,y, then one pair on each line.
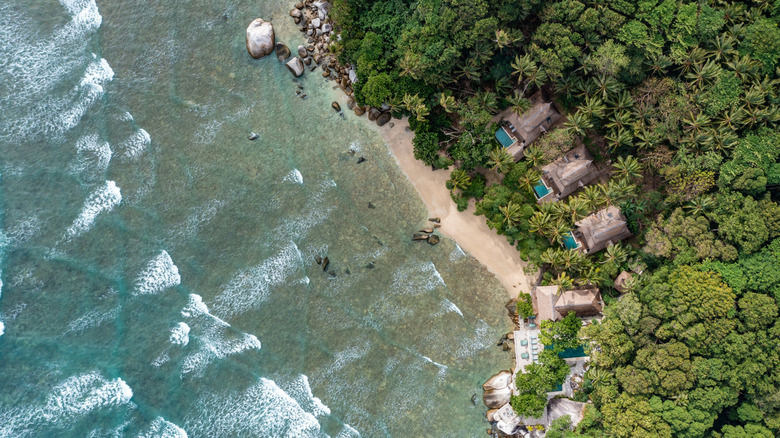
x,y
383,119
373,113
497,390
282,51
302,52
295,66
259,38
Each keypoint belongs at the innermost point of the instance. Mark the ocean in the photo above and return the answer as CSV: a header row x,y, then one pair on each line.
x,y
158,268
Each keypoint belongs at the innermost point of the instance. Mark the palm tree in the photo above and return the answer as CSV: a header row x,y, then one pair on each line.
x,y
487,100
593,107
447,102
511,212
622,101
502,39
695,56
551,257
617,138
460,179
530,179
645,139
576,209
621,119
563,281
578,123
699,205
732,118
744,67
539,223
723,138
557,231
615,253
534,154
659,64
519,104
606,85
416,105
627,167
723,47
696,123
591,277
502,86
500,160
592,196
702,74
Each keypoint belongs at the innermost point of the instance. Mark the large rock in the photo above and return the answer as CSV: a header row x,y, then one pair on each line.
x,y
383,119
296,13
500,380
315,23
302,51
497,390
353,76
373,113
359,111
495,398
259,38
295,66
327,28
282,51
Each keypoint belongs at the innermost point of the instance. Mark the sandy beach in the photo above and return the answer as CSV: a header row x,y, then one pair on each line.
x,y
469,231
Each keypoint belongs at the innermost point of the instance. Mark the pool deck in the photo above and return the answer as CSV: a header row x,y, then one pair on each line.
x,y
524,333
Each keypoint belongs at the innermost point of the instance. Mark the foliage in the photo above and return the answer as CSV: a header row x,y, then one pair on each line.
x,y
524,306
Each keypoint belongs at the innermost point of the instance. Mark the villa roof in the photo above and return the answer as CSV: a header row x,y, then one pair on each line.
x,y
573,170
603,228
554,307
533,122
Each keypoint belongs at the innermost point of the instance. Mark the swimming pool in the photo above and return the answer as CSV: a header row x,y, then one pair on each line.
x,y
503,137
541,190
569,242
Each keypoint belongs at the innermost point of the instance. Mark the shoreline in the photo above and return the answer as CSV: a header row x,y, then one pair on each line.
x,y
469,231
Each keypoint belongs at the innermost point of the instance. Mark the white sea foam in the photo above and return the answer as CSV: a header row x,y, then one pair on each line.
x,y
457,253
250,288
478,341
91,319
180,335
103,199
215,345
136,144
161,428
348,432
81,394
2,328
201,216
83,96
263,409
160,273
294,176
416,279
442,368
94,154
300,390
449,306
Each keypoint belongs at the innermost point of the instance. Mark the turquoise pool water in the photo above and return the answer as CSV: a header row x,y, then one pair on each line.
x,y
504,138
541,190
569,352
569,242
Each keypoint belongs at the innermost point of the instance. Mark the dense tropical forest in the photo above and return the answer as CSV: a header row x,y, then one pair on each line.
x,y
678,101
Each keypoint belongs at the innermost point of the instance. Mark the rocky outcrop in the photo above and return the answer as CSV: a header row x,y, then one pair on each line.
x,y
497,390
259,38
296,66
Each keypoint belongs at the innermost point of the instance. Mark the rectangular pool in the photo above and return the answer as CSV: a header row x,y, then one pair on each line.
x,y
569,242
541,190
503,137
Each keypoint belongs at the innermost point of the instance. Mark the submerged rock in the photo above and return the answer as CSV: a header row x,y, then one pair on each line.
x,y
335,105
318,259
370,205
433,239
434,219
370,265
325,263
259,38
282,51
418,236
362,160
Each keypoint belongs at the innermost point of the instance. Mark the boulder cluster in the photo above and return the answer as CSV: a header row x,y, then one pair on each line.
x,y
312,18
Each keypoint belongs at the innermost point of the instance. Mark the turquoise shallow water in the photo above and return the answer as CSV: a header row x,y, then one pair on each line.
x,y
158,274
